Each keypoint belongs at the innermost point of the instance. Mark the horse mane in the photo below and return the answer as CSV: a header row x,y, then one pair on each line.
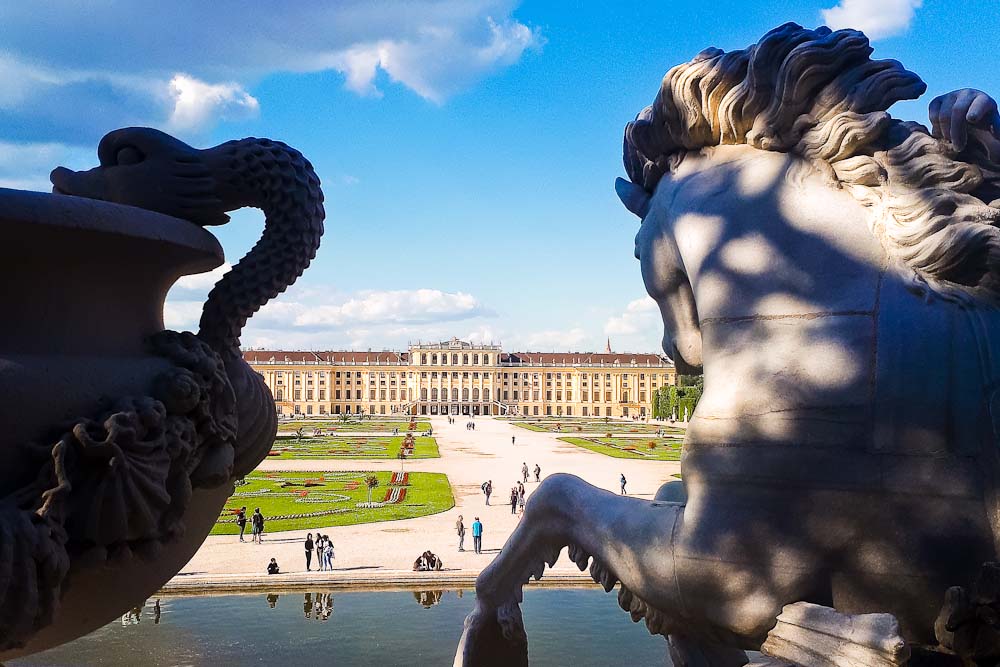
x,y
817,94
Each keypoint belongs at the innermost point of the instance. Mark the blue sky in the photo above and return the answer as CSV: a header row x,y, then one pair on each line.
x,y
468,148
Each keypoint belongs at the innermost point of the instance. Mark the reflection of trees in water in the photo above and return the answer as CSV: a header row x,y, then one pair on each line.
x,y
320,604
428,599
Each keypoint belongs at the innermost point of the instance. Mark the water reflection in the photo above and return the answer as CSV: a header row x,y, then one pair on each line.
x,y
428,599
322,607
579,627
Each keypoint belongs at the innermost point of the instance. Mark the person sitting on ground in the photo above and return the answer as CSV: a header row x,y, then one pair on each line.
x,y
272,567
428,561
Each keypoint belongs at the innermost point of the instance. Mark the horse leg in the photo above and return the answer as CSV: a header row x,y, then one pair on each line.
x,y
629,539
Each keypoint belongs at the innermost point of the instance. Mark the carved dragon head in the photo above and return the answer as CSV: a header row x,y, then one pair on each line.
x,y
149,169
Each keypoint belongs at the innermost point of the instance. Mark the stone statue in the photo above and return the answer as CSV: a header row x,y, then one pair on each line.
x,y
123,440
836,274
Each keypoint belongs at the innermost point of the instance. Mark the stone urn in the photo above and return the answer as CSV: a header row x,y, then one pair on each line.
x,y
121,439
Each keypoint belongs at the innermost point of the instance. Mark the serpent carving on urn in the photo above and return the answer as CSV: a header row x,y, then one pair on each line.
x,y
117,484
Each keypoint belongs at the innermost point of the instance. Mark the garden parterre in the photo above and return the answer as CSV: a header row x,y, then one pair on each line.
x,y
302,500
652,449
350,447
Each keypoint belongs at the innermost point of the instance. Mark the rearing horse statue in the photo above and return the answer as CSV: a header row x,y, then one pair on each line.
x,y
835,273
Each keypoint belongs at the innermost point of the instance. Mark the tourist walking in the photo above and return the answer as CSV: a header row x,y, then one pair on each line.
x,y
309,545
241,521
520,501
623,482
488,489
512,438
460,529
524,471
538,473
513,499
477,535
257,526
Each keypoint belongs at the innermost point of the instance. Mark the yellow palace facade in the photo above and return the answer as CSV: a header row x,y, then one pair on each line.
x,y
460,378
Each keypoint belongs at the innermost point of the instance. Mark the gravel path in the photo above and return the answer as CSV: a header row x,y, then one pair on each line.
x,y
387,550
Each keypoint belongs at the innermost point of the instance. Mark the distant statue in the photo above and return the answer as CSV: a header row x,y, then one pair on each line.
x,y
132,436
836,275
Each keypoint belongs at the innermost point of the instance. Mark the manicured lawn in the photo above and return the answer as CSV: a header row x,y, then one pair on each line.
x,y
367,425
331,499
572,426
350,447
667,449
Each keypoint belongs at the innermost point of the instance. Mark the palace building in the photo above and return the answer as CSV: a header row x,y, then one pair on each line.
x,y
460,378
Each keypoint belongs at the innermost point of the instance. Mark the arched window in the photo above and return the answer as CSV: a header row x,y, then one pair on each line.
x,y
486,359
486,394
475,359
279,395
454,393
465,394
465,360
434,359
475,394
434,393
423,394
423,359
454,360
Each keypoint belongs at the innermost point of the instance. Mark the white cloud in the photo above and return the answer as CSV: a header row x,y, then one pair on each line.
x,y
27,166
187,65
438,62
315,315
202,282
639,316
876,18
198,104
182,315
554,340
400,306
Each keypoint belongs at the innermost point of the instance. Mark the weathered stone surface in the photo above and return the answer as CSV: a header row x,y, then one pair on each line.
x,y
814,636
835,273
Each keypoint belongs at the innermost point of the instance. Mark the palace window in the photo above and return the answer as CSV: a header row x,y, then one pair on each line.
x,y
506,395
423,394
465,360
309,394
371,395
486,394
423,359
475,394
465,394
279,395
548,395
434,359
515,394
454,393
454,360
642,397
434,393
558,395
486,359
309,409
535,394
298,394
475,359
